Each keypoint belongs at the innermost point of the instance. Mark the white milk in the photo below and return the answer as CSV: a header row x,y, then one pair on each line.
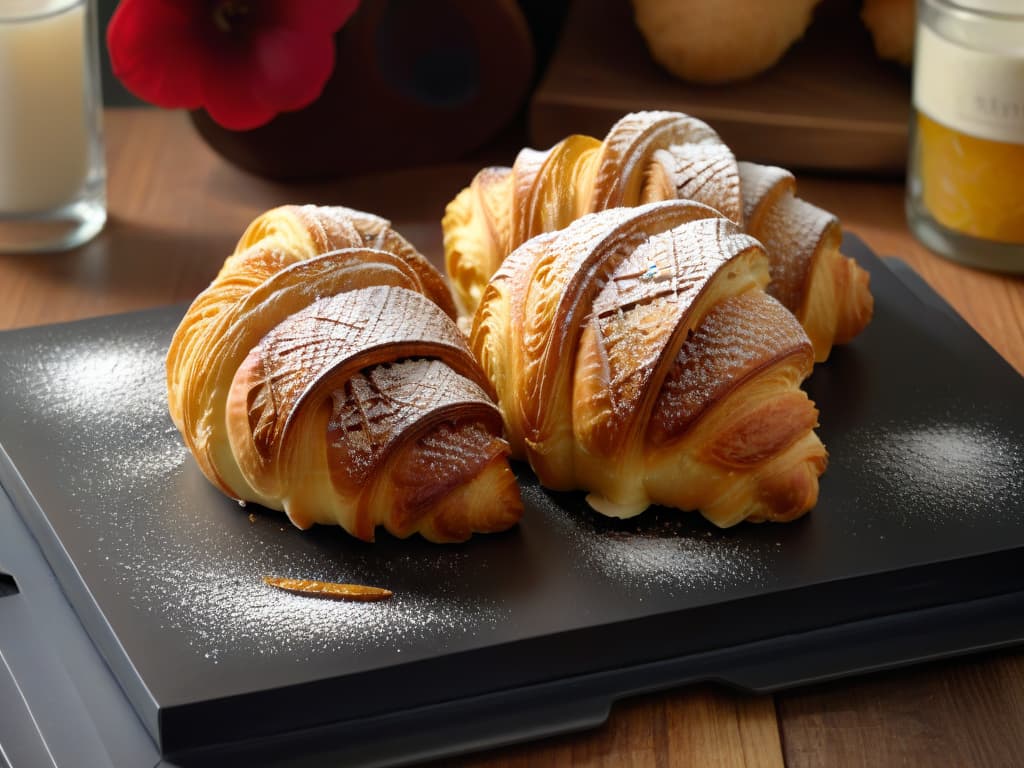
x,y
44,138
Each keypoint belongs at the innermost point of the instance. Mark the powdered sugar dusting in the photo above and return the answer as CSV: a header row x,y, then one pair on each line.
x,y
631,142
757,182
706,173
664,552
219,597
179,552
737,336
105,392
943,472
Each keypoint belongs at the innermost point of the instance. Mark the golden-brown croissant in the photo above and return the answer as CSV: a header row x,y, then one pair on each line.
x,y
321,373
650,156
637,356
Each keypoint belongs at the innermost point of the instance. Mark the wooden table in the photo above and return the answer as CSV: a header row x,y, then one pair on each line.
x,y
176,210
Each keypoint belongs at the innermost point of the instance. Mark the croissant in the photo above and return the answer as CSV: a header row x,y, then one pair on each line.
x,y
636,355
651,156
321,373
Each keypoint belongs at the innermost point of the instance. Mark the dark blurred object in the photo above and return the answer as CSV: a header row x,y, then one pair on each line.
x,y
545,19
415,82
830,104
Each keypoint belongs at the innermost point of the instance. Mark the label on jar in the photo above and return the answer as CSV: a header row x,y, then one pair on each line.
x,y
977,93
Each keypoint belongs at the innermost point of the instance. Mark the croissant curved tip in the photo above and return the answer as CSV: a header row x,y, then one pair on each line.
x,y
609,508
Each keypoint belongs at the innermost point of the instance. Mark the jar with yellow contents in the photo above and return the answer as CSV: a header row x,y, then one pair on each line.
x,y
965,187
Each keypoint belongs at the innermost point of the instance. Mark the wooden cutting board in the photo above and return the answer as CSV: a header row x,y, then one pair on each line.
x,y
830,104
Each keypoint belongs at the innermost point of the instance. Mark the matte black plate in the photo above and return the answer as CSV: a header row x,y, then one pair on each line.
x,y
922,505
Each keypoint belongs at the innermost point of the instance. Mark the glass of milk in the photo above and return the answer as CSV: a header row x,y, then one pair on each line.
x,y
52,169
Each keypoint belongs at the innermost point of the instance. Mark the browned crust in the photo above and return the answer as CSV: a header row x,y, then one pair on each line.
x,y
317,349
740,338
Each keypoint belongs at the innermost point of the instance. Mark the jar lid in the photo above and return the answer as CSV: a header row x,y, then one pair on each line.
x,y
1008,7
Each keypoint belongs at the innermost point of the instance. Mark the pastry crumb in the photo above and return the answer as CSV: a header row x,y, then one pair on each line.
x,y
328,589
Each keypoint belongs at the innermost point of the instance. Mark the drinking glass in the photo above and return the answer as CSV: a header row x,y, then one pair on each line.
x,y
52,168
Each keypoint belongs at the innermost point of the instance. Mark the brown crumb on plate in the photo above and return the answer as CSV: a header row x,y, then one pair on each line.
x,y
328,589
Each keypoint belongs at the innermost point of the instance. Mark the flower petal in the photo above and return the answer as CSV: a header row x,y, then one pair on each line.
x,y
314,15
156,51
172,54
231,97
281,69
293,66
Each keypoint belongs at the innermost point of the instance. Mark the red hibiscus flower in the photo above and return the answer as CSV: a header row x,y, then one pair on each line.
x,y
244,61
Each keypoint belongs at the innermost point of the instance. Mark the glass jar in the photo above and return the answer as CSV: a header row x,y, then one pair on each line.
x,y
965,185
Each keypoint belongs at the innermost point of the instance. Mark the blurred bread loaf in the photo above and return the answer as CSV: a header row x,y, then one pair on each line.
x,y
718,41
891,24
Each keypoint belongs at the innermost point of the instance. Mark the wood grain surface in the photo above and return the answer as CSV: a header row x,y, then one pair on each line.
x,y
176,210
850,110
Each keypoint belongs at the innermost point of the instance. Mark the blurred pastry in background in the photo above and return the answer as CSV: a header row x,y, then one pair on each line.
x,y
891,24
718,41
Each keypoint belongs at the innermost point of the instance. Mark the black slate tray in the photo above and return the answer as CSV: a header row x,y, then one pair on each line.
x,y
913,552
